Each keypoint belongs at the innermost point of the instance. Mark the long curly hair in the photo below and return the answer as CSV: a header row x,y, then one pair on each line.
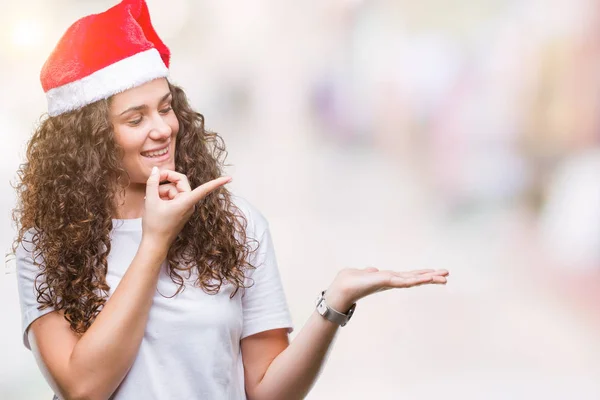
x,y
66,198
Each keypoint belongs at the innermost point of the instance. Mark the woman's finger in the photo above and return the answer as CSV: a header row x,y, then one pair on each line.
x,y
167,191
178,179
416,280
431,280
439,279
421,271
203,190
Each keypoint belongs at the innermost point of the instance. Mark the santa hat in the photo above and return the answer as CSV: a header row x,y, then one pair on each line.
x,y
101,55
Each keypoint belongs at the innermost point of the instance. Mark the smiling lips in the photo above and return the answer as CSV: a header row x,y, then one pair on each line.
x,y
156,153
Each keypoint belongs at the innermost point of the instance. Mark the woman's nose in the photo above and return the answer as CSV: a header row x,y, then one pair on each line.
x,y
160,129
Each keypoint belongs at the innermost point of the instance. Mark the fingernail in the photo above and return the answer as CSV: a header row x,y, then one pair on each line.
x,y
154,170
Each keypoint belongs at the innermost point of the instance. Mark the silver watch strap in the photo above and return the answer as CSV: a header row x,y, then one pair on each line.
x,y
331,314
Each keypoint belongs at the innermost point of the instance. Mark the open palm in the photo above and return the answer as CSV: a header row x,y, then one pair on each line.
x,y
352,284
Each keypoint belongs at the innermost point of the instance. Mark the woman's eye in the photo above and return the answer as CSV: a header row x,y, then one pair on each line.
x,y
135,122
166,110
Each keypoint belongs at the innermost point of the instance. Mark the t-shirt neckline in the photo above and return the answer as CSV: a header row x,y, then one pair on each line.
x,y
131,224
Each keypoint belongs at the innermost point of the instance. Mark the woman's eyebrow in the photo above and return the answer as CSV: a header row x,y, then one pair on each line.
x,y
144,106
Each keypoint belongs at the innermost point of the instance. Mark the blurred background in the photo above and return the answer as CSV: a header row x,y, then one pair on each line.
x,y
457,134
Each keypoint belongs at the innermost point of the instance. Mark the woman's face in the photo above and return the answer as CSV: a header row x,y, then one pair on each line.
x,y
146,127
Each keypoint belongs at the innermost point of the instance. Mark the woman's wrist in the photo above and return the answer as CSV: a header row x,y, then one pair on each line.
x,y
154,247
337,299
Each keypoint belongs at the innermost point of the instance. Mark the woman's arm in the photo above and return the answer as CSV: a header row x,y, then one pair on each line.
x,y
275,371
92,366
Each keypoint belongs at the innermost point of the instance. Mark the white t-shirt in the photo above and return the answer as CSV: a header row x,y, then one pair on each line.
x,y
191,346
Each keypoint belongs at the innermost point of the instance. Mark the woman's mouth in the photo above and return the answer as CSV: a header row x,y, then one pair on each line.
x,y
157,155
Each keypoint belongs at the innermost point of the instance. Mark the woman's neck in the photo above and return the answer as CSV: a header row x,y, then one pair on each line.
x,y
131,204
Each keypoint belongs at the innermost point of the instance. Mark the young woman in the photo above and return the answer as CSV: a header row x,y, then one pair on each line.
x,y
140,275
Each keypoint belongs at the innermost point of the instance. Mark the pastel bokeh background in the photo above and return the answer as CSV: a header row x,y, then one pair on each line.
x,y
458,134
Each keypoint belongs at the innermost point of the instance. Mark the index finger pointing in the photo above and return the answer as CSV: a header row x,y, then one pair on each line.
x,y
203,190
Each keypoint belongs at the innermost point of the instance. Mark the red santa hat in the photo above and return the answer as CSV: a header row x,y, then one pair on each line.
x,y
101,55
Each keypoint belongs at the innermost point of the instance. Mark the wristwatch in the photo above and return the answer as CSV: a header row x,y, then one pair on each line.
x,y
331,314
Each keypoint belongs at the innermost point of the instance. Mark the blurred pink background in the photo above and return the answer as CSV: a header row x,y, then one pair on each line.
x,y
462,135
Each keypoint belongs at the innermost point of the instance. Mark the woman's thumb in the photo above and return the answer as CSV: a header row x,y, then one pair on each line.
x,y
152,184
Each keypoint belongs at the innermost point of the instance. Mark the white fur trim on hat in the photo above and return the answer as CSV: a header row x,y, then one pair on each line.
x,y
124,74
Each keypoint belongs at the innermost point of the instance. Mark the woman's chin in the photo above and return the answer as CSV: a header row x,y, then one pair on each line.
x,y
161,164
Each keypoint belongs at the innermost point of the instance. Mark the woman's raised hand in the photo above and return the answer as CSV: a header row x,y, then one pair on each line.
x,y
169,206
352,284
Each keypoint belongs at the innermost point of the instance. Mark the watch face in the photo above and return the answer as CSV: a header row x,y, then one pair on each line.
x,y
321,308
319,299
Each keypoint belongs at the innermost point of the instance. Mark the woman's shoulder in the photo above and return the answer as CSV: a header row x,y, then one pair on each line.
x,y
26,246
256,221
28,260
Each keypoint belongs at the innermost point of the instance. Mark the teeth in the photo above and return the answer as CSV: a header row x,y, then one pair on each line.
x,y
156,153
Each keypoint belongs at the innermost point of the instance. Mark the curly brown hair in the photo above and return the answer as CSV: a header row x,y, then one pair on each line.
x,y
66,198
